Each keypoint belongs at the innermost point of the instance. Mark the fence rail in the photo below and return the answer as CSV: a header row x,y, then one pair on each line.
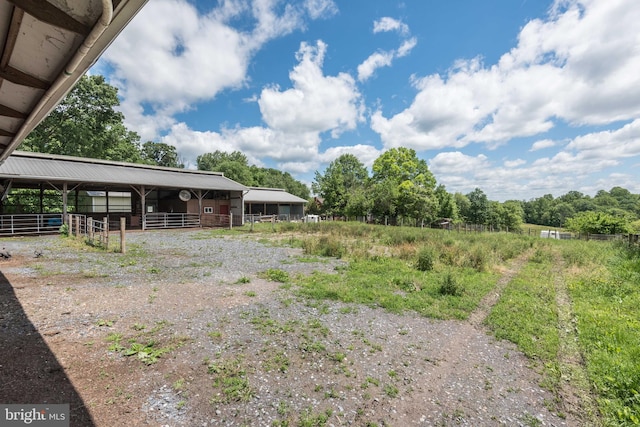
x,y
30,224
171,220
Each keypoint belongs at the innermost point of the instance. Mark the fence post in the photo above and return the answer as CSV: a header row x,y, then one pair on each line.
x,y
90,229
77,226
230,220
123,226
106,233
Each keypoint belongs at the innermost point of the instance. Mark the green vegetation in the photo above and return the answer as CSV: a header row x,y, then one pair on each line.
x,y
444,275
606,298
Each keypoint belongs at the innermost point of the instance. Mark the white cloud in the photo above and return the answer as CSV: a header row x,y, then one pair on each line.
x,y
579,65
367,154
321,8
372,63
295,119
315,103
170,58
514,163
542,144
386,24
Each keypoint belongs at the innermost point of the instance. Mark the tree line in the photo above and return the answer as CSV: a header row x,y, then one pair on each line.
x,y
402,187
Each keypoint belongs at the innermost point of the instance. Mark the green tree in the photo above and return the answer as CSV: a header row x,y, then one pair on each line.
x,y
274,178
343,179
479,207
412,180
464,206
233,165
86,124
598,223
513,215
447,206
160,154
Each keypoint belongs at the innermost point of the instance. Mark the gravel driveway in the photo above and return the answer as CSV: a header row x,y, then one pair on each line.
x,y
237,349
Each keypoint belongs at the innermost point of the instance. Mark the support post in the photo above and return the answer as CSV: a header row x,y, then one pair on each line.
x,y
106,232
123,226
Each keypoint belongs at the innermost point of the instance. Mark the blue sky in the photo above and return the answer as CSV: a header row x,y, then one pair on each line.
x,y
519,98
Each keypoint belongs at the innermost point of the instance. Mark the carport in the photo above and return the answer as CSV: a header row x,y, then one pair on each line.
x,y
56,186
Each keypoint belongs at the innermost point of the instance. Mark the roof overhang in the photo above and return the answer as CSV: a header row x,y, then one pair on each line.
x,y
46,47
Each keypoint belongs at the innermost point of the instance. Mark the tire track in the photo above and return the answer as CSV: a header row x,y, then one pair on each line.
x,y
574,391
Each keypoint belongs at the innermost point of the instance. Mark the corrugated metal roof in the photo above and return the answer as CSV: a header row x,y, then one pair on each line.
x,y
51,168
271,195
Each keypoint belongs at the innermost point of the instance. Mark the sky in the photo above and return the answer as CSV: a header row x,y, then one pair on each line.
x,y
519,98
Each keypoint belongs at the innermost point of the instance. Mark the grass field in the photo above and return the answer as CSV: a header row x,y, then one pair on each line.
x,y
444,275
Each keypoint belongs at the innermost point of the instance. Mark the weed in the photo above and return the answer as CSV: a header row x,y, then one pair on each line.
x,y
243,280
231,380
104,322
450,286
426,259
391,390
250,293
276,275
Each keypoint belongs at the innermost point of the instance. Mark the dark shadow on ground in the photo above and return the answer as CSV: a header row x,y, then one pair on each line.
x,y
29,371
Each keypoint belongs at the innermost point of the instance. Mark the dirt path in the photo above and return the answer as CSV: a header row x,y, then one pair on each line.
x,y
473,381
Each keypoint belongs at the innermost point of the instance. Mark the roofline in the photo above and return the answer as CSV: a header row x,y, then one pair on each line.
x,y
267,188
34,155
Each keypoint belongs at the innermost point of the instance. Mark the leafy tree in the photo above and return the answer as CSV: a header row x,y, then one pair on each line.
x,y
233,165
86,124
358,203
464,206
479,207
161,154
274,178
412,182
447,206
598,223
512,215
344,178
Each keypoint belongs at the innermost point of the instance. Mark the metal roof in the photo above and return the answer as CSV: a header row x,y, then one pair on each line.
x,y
47,45
48,168
271,195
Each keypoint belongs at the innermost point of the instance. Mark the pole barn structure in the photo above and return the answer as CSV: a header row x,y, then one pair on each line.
x,y
38,191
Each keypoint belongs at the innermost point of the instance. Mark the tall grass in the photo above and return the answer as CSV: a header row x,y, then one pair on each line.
x,y
606,297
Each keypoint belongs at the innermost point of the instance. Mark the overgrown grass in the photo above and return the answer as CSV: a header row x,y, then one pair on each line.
x,y
606,302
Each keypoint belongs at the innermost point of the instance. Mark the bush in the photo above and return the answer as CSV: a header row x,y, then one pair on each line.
x,y
449,286
64,230
426,259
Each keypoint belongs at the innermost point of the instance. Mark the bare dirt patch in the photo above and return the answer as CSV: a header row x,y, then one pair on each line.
x,y
236,349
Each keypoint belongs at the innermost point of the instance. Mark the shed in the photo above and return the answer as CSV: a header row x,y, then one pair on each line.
x,y
273,201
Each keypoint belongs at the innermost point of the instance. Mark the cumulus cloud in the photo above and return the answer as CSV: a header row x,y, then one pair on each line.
x,y
294,117
171,57
542,144
574,66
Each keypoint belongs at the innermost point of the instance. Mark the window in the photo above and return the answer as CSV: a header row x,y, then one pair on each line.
x,y
208,209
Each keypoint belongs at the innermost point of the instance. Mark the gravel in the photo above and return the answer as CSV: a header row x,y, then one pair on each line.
x,y
301,360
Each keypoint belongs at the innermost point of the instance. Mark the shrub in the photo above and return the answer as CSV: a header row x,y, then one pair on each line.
x,y
449,286
64,230
426,259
